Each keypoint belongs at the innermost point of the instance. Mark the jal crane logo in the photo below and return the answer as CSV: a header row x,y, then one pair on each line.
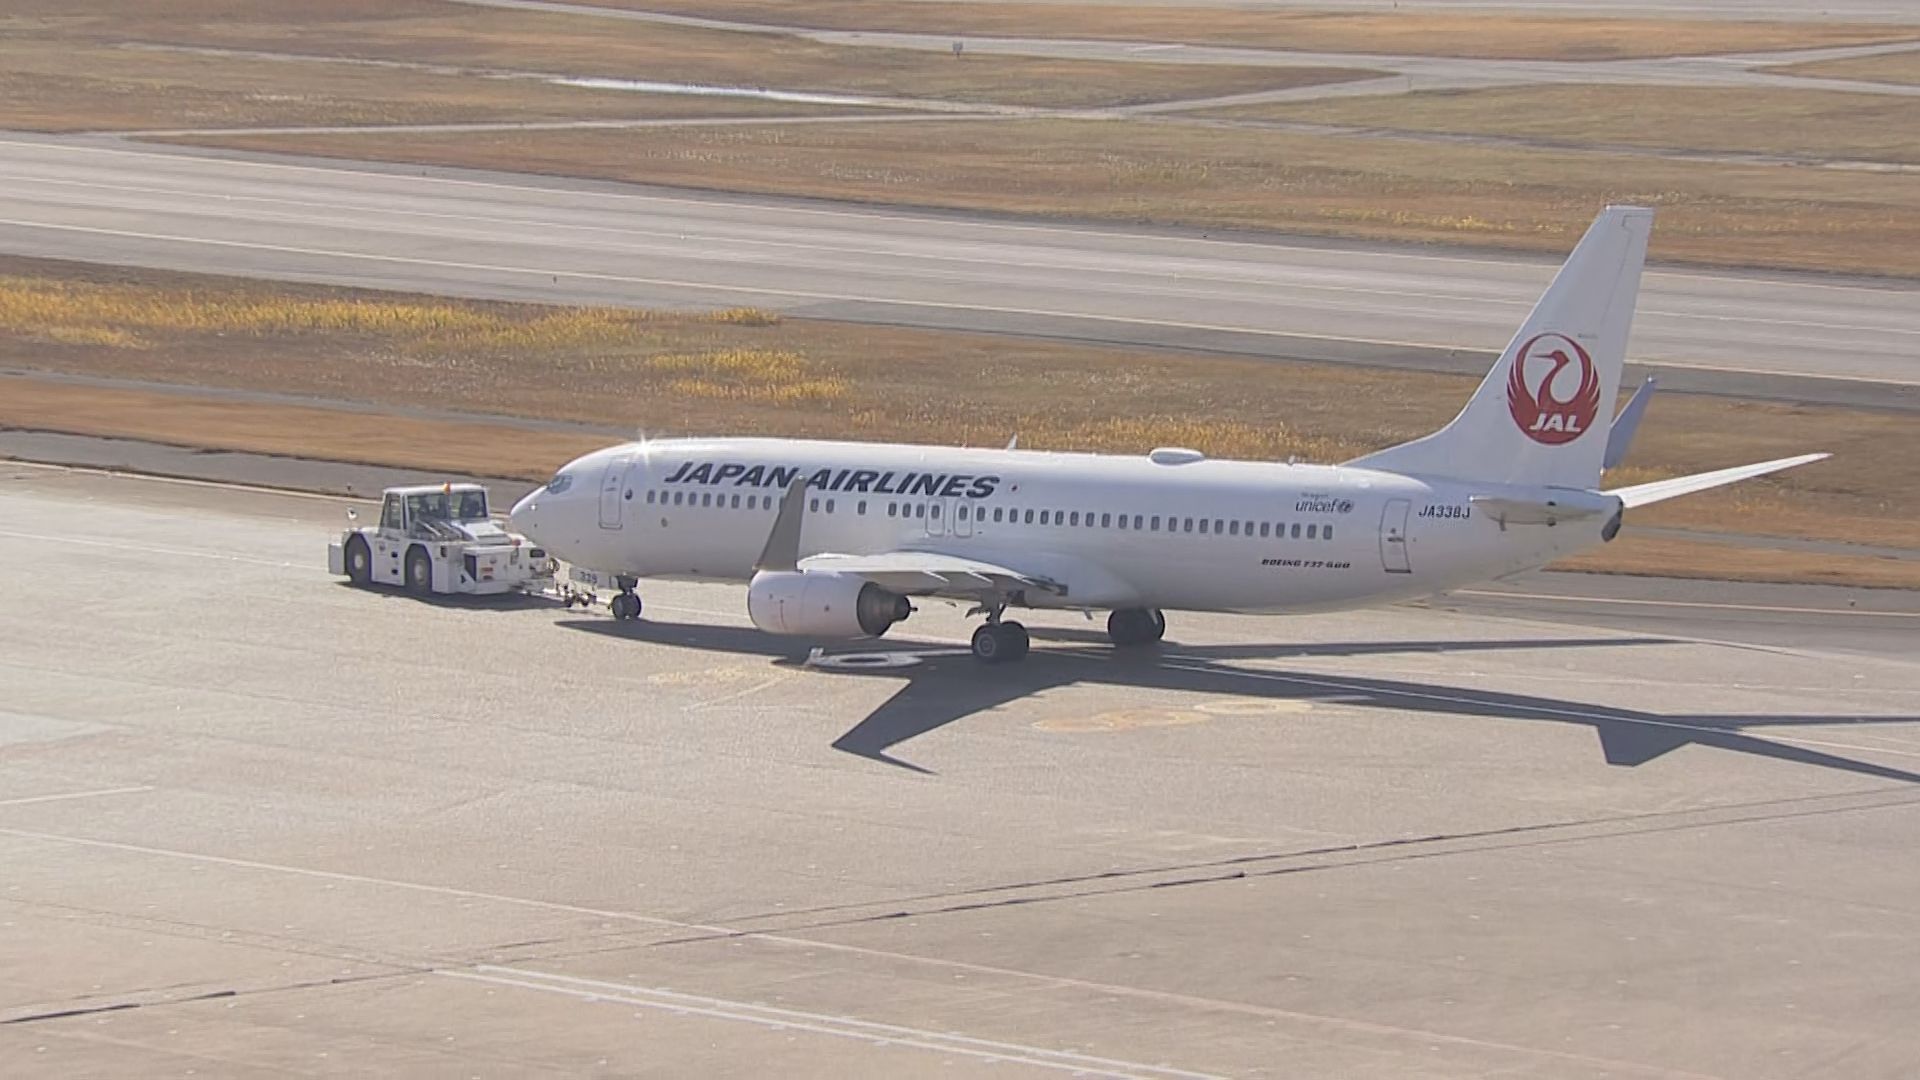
x,y
1540,373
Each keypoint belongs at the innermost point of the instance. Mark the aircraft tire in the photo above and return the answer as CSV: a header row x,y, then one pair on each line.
x,y
994,644
1135,626
1016,640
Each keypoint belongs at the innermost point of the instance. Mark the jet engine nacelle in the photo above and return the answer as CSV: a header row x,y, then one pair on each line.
x,y
822,604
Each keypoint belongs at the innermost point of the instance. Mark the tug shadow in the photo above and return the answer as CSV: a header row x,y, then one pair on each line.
x,y
942,684
502,602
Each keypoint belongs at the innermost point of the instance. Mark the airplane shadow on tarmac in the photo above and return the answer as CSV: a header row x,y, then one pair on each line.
x,y
942,684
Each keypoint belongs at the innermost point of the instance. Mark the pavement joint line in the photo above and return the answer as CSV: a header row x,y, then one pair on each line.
x,y
803,294
1063,981
936,257
1771,609
830,1024
100,792
902,214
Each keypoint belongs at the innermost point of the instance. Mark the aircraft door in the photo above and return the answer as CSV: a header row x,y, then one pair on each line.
x,y
1393,537
613,490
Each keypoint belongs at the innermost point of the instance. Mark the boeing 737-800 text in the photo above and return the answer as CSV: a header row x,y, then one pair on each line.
x,y
835,539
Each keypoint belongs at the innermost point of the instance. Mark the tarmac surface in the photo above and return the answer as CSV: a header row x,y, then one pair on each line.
x,y
255,821
514,237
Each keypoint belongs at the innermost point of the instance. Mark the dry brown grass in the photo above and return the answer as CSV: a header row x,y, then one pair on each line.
x,y
1402,32
100,88
742,372
1717,214
475,449
1663,557
444,34
1902,68
1797,123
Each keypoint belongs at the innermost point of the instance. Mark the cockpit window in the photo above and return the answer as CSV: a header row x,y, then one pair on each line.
x,y
559,483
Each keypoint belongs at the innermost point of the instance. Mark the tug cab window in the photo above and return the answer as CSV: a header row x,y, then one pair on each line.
x,y
391,516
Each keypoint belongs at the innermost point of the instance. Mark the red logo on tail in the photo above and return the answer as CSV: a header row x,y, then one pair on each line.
x,y
1543,416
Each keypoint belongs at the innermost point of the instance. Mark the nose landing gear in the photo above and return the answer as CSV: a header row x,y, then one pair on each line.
x,y
625,605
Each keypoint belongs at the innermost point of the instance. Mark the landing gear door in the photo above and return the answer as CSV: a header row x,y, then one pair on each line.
x,y
1393,537
613,490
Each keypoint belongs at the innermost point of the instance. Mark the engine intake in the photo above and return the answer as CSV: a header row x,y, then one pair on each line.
x,y
822,604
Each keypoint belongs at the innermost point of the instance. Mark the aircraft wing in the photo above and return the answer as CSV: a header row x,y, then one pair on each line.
x,y
928,573
1660,490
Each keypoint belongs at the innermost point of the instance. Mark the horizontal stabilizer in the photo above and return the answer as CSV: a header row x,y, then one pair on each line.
x,y
1661,490
1529,511
1637,744
1620,436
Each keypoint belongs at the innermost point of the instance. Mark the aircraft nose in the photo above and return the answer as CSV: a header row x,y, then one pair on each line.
x,y
524,518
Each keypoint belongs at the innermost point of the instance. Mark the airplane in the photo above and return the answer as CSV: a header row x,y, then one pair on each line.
x,y
835,540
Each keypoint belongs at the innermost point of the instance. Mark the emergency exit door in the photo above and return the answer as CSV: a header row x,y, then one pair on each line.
x,y
1393,537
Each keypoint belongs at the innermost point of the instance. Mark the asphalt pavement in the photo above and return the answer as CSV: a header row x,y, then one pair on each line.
x,y
255,821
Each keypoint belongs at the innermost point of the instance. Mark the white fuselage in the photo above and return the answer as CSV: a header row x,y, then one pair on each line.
x,y
1167,532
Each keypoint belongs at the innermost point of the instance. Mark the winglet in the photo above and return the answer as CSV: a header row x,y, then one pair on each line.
x,y
783,542
1620,436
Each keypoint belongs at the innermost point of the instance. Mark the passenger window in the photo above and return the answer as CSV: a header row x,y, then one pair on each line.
x,y
736,502
1154,526
1296,530
1219,527
935,512
649,496
1265,527
1186,525
1043,517
1106,521
892,509
1123,521
997,511
813,506
1074,519
1249,528
963,512
860,508
829,506
920,511
1326,533
1234,528
679,497
1203,526
1312,530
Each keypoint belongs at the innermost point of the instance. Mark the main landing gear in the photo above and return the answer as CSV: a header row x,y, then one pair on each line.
x,y
625,604
1136,626
1000,642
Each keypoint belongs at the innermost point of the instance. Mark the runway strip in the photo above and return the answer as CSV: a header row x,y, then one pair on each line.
x,y
524,238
